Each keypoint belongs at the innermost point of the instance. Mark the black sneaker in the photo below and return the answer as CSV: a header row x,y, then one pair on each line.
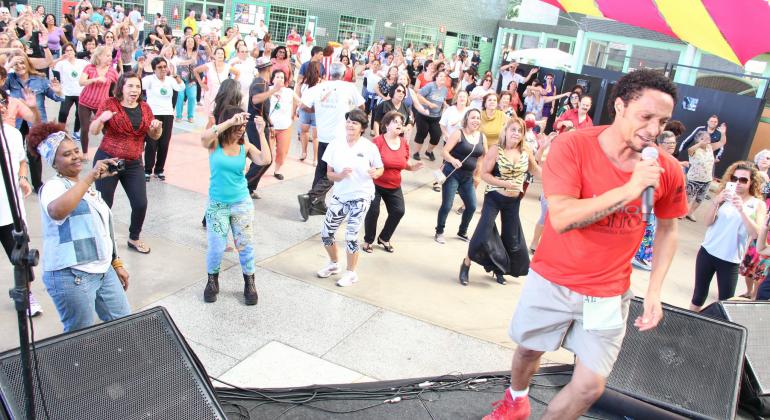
x,y
416,156
304,206
463,236
161,176
430,156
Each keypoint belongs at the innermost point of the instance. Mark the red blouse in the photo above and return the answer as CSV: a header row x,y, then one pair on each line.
x,y
94,94
120,139
393,161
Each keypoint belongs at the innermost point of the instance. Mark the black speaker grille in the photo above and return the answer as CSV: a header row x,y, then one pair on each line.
x,y
755,316
689,364
132,368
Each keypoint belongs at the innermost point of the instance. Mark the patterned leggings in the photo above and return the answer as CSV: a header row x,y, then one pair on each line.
x,y
354,211
222,218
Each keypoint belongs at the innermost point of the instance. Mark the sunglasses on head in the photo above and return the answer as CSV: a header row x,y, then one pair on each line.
x,y
742,180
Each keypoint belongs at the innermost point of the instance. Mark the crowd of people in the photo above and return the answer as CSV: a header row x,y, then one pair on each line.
x,y
129,86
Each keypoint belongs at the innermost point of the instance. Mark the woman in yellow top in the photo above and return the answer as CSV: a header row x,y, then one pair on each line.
x,y
492,119
504,170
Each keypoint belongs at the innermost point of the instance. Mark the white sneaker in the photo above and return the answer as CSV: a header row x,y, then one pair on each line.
x,y
347,279
330,269
440,238
34,307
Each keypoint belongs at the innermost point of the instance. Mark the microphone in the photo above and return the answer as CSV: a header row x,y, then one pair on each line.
x,y
648,195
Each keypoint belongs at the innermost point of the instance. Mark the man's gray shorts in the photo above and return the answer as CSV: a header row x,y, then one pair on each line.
x,y
550,316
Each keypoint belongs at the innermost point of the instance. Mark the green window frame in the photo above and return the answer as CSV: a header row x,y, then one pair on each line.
x,y
418,36
469,41
282,19
362,27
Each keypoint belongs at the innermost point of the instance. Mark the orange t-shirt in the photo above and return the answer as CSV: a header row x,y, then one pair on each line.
x,y
596,260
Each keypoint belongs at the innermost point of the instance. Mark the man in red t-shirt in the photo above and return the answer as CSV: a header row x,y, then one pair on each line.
x,y
293,41
577,291
577,118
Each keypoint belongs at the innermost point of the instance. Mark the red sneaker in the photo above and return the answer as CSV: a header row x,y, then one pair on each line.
x,y
510,409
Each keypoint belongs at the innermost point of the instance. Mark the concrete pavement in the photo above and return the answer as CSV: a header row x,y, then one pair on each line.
x,y
408,316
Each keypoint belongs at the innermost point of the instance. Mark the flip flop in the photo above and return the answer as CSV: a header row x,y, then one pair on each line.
x,y
367,248
142,248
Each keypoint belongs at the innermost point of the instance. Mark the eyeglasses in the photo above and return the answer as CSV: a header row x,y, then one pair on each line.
x,y
670,143
741,180
400,91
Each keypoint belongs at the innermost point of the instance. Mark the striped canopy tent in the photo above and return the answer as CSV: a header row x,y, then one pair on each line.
x,y
736,30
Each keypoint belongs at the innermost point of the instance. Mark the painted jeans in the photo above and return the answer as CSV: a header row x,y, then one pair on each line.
x,y
237,218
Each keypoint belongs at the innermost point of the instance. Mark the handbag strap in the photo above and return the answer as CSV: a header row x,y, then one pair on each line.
x,y
481,138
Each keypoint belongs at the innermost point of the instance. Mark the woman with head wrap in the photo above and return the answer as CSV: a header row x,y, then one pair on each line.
x,y
81,270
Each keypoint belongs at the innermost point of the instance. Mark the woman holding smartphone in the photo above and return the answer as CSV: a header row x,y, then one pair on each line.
x,y
732,221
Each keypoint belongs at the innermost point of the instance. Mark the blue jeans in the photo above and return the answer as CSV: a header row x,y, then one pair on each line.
x,y
76,294
461,181
190,91
222,218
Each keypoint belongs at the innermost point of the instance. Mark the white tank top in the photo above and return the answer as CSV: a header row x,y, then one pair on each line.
x,y
727,239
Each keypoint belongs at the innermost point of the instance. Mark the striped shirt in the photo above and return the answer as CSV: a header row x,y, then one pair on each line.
x,y
94,95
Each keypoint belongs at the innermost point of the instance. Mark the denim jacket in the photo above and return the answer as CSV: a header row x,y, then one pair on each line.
x,y
40,86
74,242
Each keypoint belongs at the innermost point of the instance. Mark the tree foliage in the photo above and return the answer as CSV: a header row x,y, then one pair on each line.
x,y
512,12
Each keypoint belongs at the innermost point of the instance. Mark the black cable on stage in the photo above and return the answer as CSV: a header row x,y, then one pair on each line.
x,y
34,360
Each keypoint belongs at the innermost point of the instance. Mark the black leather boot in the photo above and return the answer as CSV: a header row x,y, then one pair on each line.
x,y
464,269
249,290
212,288
500,278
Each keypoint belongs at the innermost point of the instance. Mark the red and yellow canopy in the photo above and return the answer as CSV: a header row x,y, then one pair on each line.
x,y
736,30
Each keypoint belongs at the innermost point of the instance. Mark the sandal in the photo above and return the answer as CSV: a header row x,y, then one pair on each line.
x,y
386,245
303,157
436,187
690,218
367,248
141,247
745,296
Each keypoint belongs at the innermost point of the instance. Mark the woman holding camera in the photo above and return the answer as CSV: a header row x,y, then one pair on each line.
x,y
230,208
126,120
732,221
89,276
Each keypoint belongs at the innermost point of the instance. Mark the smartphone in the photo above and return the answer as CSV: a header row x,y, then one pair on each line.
x,y
730,189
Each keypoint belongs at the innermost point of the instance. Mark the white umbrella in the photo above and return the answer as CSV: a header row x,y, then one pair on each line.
x,y
545,57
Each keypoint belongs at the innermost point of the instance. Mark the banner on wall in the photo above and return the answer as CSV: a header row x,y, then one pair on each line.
x,y
154,7
247,16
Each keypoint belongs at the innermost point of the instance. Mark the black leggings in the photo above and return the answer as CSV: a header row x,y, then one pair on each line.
x,y
706,265
64,111
394,203
159,148
132,180
427,125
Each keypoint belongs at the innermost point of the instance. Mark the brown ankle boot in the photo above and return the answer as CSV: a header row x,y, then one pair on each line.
x,y
212,288
249,290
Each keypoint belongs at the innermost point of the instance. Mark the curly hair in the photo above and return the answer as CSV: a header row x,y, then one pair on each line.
x,y
38,133
630,87
755,185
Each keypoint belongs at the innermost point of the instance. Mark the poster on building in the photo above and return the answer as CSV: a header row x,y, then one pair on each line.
x,y
247,15
154,7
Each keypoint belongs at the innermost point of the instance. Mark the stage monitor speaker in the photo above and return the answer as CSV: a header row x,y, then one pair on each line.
x,y
137,367
689,364
755,316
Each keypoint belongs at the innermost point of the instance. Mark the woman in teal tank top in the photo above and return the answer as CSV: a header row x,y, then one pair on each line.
x,y
230,207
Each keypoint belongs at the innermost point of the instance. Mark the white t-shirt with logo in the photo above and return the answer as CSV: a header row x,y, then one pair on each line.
x,y
361,157
332,100
281,105
159,93
69,73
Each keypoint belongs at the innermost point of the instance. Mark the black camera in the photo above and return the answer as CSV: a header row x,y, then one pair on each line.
x,y
117,167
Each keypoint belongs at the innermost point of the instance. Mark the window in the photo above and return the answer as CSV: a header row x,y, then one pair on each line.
x,y
470,42
418,36
128,5
566,47
283,19
363,27
551,43
529,41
